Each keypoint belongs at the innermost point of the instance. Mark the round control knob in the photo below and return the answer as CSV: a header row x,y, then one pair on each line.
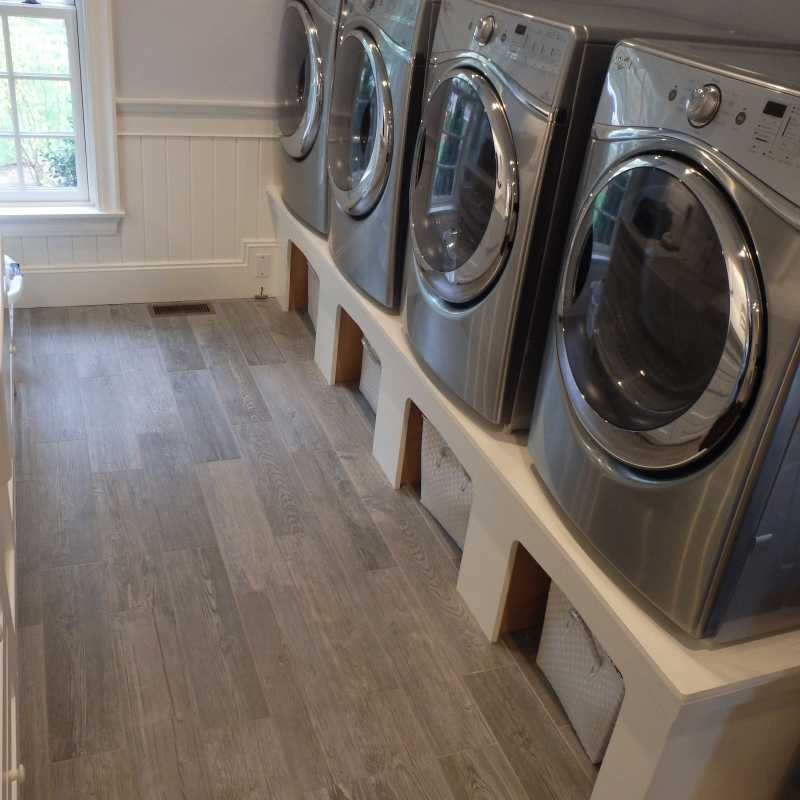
x,y
484,30
703,105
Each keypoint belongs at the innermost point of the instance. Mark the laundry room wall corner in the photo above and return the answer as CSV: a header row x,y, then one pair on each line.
x,y
196,157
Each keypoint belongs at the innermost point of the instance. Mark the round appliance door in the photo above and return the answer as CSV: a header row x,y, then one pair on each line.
x,y
361,128
464,192
300,81
660,315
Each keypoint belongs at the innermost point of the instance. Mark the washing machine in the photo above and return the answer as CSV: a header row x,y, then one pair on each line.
x,y
511,95
305,66
666,423
377,96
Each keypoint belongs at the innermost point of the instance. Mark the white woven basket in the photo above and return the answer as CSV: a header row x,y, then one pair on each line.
x,y
313,296
370,382
446,488
585,679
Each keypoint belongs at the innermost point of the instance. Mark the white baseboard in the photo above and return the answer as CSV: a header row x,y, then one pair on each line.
x,y
97,284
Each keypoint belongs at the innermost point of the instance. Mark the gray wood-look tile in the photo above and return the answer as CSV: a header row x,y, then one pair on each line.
x,y
179,348
345,521
168,761
56,410
289,332
433,575
235,761
336,408
237,389
29,597
221,595
440,702
148,389
82,692
66,517
251,332
223,676
131,539
50,332
245,537
94,340
134,331
112,442
283,497
298,758
216,339
176,493
33,719
207,431
474,774
529,738
291,412
109,776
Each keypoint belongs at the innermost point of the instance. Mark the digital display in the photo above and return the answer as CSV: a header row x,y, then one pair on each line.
x,y
775,109
520,30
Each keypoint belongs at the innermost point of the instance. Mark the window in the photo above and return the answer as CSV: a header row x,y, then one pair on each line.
x,y
42,142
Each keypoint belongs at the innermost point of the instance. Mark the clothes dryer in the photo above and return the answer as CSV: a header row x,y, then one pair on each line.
x,y
377,95
666,423
307,50
511,95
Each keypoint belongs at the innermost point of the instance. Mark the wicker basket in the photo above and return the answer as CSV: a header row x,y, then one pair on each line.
x,y
585,679
446,488
313,296
370,382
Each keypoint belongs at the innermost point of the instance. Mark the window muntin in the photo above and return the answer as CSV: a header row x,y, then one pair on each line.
x,y
42,142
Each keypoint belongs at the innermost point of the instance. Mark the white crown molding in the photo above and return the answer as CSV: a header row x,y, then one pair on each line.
x,y
151,116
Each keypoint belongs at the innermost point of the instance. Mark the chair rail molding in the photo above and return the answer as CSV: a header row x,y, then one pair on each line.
x,y
152,116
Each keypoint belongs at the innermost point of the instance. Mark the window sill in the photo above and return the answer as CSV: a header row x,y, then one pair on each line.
x,y
58,221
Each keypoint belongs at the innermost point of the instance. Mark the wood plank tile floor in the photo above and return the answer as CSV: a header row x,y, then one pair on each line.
x,y
222,597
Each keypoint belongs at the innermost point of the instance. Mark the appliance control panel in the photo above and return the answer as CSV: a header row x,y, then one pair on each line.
x,y
534,53
754,124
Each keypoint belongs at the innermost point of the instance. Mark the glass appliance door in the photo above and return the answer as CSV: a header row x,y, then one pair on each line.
x,y
300,81
464,195
660,315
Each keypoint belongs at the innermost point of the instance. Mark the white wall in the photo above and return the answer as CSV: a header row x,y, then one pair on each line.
x,y
195,159
200,49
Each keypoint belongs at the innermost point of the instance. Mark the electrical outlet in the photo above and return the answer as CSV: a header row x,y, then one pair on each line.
x,y
262,265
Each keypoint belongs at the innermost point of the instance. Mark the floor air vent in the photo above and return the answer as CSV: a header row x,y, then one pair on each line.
x,y
180,309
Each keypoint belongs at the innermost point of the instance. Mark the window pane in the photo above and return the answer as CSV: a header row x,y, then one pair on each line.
x,y
3,63
8,163
39,46
49,162
6,123
44,106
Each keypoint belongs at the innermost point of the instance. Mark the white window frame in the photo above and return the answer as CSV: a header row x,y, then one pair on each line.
x,y
22,195
100,213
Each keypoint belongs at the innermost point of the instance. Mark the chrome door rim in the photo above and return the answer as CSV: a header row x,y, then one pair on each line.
x,y
479,272
696,432
363,197
299,143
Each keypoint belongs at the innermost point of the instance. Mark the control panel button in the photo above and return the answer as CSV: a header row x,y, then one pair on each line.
x,y
703,105
484,30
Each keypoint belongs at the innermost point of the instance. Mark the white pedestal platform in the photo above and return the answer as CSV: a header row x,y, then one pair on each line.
x,y
695,723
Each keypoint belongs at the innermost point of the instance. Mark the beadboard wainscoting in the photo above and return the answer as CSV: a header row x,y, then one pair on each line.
x,y
193,177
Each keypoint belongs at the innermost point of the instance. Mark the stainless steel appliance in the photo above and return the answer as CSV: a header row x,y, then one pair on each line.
x,y
666,422
510,99
377,92
307,49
